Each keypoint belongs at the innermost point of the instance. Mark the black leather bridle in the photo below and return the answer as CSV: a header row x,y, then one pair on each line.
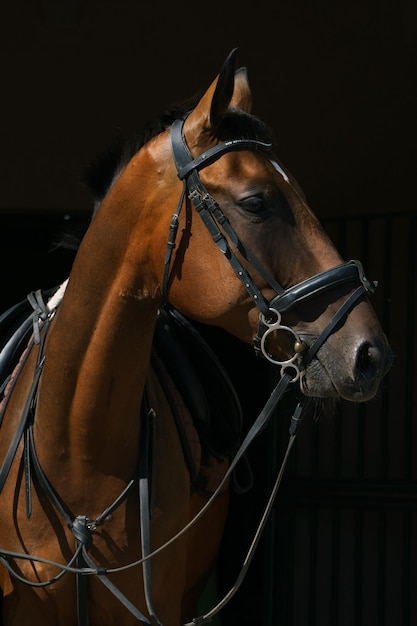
x,y
223,235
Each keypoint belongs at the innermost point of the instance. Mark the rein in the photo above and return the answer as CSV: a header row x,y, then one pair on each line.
x,y
81,564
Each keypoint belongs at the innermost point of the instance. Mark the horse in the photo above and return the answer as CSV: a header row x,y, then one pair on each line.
x,y
102,518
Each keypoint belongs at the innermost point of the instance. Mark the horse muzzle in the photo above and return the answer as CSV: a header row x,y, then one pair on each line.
x,y
372,360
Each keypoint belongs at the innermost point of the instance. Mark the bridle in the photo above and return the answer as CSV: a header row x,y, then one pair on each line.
x,y
270,312
270,316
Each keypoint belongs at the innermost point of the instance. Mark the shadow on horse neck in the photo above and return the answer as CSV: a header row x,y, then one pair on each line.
x,y
104,463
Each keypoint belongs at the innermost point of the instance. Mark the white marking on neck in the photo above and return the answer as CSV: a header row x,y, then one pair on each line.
x,y
55,300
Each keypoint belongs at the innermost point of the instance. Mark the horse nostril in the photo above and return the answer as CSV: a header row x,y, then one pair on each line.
x,y
371,360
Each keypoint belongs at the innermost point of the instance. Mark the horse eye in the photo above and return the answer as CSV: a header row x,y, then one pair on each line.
x,y
254,204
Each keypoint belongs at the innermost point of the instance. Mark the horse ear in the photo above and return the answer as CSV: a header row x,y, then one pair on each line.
x,y
230,88
223,92
242,96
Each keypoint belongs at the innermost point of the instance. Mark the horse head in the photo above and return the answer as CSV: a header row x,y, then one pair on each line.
x,y
270,243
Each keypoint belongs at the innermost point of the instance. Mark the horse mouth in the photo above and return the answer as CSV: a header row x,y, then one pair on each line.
x,y
336,378
324,386
322,380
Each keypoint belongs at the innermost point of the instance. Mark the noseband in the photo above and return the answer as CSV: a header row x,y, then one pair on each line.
x,y
270,312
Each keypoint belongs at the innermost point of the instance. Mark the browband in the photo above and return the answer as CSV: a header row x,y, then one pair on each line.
x,y
183,157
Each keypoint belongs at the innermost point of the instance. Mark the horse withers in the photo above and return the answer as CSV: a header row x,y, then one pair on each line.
x,y
200,218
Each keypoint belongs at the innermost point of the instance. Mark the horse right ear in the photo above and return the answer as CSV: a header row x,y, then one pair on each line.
x,y
242,96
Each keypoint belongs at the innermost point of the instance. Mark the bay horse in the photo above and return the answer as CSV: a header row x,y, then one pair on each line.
x,y
102,521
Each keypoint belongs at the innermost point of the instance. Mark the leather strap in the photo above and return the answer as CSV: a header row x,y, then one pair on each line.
x,y
23,424
183,158
345,272
147,426
205,205
209,210
81,528
331,326
217,224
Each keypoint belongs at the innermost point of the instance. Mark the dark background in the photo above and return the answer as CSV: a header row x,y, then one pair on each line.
x,y
336,80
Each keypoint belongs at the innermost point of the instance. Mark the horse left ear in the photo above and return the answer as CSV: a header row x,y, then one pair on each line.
x,y
229,89
232,90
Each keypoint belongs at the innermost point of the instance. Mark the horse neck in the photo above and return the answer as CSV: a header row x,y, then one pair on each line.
x,y
96,360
